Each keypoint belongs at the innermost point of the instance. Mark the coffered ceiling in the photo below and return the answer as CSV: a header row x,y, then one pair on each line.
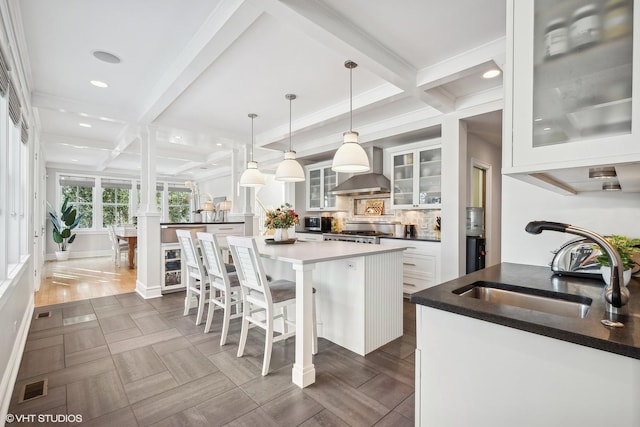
x,y
194,70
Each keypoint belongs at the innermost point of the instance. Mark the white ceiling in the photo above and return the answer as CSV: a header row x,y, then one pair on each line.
x,y
194,70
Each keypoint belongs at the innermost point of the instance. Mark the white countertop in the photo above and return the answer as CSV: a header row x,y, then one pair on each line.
x,y
311,252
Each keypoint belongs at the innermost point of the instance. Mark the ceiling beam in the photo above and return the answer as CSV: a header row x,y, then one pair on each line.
x,y
220,30
322,23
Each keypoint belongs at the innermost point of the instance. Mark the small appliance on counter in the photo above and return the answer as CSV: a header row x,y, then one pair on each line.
x,y
410,230
318,223
577,257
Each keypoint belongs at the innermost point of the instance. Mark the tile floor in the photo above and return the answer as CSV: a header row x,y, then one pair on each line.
x,y
122,360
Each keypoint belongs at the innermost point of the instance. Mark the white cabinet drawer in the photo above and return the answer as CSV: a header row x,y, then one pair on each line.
x,y
413,283
418,264
309,237
226,229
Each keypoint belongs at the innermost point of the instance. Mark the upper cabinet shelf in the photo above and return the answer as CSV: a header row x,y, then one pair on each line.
x,y
571,99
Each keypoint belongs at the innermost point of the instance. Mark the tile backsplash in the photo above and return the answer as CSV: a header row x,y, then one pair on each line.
x,y
356,208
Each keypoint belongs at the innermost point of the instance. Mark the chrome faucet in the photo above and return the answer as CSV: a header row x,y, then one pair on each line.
x,y
616,294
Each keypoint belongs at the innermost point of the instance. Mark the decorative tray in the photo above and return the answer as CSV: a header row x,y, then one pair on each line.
x,y
279,242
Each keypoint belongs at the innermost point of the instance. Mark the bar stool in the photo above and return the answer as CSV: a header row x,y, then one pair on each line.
x,y
263,301
197,279
224,288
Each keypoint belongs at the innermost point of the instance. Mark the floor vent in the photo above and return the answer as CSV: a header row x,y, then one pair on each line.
x,y
43,314
34,390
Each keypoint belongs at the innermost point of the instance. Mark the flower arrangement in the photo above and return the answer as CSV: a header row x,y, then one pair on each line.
x,y
282,217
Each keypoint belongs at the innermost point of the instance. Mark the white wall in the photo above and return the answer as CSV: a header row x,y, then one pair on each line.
x,y
491,155
602,212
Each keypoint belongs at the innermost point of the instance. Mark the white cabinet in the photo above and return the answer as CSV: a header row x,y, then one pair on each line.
x,y
420,262
172,271
309,237
320,180
572,94
415,178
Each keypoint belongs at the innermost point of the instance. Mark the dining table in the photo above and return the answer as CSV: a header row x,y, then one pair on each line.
x,y
130,235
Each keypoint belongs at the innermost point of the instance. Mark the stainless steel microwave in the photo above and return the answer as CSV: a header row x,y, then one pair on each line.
x,y
317,223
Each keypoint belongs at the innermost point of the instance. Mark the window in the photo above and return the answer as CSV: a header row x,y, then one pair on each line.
x,y
179,204
79,190
116,195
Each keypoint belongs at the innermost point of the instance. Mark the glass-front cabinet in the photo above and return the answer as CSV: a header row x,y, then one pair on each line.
x,y
172,272
415,178
574,99
320,180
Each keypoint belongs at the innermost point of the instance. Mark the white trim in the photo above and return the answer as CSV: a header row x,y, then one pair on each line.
x,y
12,368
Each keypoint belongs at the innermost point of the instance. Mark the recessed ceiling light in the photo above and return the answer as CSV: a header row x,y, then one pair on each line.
x,y
74,160
494,72
611,186
602,173
98,83
105,56
84,125
537,119
177,137
546,129
219,144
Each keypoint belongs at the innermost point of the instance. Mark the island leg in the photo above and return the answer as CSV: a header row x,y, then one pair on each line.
x,y
304,372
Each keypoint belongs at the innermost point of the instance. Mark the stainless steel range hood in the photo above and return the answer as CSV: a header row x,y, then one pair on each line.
x,y
373,182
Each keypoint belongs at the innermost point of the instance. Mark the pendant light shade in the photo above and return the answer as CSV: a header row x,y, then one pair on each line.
x,y
252,177
350,157
290,170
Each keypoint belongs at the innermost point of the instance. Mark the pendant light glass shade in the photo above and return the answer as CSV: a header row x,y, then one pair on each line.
x,y
252,177
350,157
290,170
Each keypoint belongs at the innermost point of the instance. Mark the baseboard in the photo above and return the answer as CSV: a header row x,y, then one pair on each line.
x,y
11,373
84,254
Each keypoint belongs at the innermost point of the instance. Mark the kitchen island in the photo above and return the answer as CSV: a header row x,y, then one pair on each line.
x,y
480,363
358,295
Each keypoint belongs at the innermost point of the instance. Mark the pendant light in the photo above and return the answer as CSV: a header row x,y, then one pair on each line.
x,y
252,177
350,157
290,170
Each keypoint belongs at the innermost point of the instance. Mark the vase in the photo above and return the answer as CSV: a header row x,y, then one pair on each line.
x,y
62,255
281,234
606,275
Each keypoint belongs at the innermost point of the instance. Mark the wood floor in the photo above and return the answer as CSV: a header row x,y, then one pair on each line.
x,y
84,278
122,360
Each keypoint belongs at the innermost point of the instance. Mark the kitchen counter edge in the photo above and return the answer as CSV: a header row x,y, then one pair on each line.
x,y
588,332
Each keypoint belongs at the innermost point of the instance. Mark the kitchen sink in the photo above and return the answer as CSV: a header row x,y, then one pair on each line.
x,y
562,304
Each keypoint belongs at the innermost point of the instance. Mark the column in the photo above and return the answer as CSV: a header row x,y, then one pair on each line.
x,y
149,250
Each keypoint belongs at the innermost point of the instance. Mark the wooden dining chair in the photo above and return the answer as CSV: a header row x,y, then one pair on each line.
x,y
197,279
263,302
118,248
224,287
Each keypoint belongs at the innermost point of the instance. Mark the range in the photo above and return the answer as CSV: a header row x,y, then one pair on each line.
x,y
362,232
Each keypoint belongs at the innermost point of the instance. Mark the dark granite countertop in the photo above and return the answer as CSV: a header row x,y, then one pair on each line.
x,y
199,223
415,239
587,331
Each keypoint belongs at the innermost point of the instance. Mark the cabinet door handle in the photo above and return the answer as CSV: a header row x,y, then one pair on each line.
x,y
408,263
225,228
411,285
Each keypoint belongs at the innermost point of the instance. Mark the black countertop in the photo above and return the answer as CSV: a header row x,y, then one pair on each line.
x,y
200,223
587,331
416,239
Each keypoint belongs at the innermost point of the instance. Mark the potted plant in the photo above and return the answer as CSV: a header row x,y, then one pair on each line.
x,y
627,248
63,222
280,220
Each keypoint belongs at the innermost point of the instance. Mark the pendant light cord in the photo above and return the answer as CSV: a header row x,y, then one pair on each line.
x,y
252,116
290,101
350,99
